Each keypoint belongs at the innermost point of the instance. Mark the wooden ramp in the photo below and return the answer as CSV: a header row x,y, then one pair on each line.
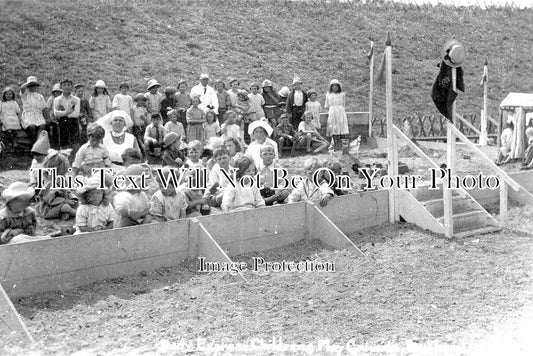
x,y
425,208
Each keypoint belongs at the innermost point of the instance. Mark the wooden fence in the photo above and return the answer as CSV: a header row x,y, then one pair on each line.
x,y
432,127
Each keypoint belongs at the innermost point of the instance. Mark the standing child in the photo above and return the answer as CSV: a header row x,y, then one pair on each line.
x,y
92,154
100,103
95,212
154,96
313,106
195,121
131,205
337,120
224,100
310,136
123,101
33,104
183,102
256,103
239,198
173,125
271,106
10,115
140,119
168,103
17,218
296,101
212,129
233,92
154,135
52,122
196,202
244,114
168,203
85,111
56,203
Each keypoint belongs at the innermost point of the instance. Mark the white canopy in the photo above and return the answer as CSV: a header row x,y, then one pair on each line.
x,y
513,100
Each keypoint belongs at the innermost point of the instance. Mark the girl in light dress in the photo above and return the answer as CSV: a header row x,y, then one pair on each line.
x,y
9,115
337,120
33,104
100,102
313,106
95,211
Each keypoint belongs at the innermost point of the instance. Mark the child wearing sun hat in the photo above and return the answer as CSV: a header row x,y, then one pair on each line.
x,y
17,218
153,96
100,102
95,211
33,104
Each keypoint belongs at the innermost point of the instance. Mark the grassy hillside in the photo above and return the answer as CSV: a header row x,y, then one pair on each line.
x,y
119,40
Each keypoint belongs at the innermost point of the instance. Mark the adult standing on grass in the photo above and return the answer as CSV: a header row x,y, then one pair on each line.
x,y
296,101
208,96
33,104
67,112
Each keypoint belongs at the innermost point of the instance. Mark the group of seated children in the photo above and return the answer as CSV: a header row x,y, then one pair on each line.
x,y
97,209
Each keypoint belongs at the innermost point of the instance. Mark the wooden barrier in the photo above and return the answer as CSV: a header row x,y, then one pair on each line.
x,y
354,212
71,261
487,197
258,229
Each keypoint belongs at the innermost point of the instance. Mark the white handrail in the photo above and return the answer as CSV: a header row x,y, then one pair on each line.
x,y
477,151
468,124
414,147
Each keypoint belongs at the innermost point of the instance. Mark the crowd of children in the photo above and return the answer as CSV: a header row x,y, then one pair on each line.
x,y
213,132
199,114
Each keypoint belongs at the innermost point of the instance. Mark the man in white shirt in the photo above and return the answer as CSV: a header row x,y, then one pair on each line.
x,y
67,112
208,95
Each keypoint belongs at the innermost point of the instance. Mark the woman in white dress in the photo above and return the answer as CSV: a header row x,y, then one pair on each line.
x,y
117,139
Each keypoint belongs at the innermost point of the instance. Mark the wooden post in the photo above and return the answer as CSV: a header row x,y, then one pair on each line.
x,y
371,90
483,135
503,202
450,146
391,149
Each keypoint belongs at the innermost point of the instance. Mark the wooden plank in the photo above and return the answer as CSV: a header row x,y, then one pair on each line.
x,y
503,203
494,122
71,261
524,178
345,212
414,147
246,246
211,250
487,160
11,318
472,127
257,223
326,231
414,212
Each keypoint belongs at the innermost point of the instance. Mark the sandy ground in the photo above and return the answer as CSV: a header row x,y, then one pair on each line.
x,y
411,293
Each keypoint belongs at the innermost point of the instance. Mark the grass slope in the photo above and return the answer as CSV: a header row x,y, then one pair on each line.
x,y
118,40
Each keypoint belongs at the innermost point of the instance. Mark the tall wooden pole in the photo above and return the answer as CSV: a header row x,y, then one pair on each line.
x,y
392,159
450,145
371,89
483,135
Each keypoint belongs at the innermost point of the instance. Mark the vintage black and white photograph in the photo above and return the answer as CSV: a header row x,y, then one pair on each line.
x,y
266,177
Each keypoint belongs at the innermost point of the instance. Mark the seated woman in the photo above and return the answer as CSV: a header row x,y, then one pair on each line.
x,y
506,141
117,139
260,130
528,154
